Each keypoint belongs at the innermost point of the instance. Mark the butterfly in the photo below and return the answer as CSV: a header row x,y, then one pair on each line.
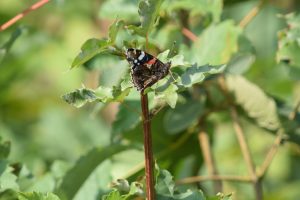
x,y
146,69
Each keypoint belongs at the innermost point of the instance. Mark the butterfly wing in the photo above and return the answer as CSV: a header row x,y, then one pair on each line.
x,y
146,70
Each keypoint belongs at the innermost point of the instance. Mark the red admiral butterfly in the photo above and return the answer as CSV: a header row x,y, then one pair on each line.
x,y
146,70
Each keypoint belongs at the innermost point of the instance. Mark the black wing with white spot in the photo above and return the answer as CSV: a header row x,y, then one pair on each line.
x,y
146,70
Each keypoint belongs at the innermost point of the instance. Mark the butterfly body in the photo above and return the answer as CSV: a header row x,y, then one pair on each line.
x,y
146,69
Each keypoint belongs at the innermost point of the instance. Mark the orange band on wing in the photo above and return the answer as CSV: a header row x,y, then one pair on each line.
x,y
152,61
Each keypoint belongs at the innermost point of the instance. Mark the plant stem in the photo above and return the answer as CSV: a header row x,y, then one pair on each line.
x,y
193,179
208,158
251,14
148,148
257,182
246,153
23,14
271,154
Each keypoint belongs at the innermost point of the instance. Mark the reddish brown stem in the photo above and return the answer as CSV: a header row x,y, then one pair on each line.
x,y
22,14
189,34
148,148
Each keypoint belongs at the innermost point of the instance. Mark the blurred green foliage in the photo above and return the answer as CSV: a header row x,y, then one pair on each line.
x,y
42,136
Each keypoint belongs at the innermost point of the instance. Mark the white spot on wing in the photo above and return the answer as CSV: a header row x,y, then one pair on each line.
x,y
135,61
142,55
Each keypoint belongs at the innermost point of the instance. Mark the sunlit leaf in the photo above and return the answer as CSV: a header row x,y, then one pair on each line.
x,y
196,74
149,15
169,95
113,195
89,49
80,97
217,44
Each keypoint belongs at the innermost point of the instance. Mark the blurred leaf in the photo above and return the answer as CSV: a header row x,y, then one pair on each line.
x,y
4,149
80,97
289,41
240,63
196,74
149,15
127,118
217,43
254,101
202,7
37,196
6,47
9,195
184,114
122,9
94,46
8,180
77,175
113,30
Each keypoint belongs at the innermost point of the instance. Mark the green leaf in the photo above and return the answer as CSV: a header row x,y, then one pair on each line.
x,y
77,175
254,101
196,74
122,9
8,180
202,7
37,196
89,49
113,30
240,63
9,195
80,97
289,41
149,14
4,149
217,43
105,94
113,195
165,184
190,195
4,49
178,119
168,95
127,118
